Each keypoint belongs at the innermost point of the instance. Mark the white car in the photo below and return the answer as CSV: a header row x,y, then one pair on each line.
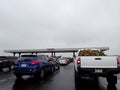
x,y
63,61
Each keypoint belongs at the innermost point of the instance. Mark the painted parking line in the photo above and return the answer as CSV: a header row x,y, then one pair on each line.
x,y
3,80
12,78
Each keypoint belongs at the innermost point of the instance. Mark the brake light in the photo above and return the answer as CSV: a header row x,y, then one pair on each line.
x,y
6,60
78,61
118,60
16,62
35,62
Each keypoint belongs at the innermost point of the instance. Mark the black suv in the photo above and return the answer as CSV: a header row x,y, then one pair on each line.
x,y
55,62
5,63
37,65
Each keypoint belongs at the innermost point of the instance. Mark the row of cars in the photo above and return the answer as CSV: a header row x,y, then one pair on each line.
x,y
65,60
35,65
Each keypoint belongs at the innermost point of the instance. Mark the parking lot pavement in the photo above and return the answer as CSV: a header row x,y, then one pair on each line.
x,y
60,80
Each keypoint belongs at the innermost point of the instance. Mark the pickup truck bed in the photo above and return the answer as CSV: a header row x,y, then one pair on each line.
x,y
98,62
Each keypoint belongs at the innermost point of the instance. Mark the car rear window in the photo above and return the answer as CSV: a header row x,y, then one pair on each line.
x,y
3,58
28,57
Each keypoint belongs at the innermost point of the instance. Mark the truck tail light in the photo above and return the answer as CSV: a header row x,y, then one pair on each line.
x,y
118,60
78,61
35,62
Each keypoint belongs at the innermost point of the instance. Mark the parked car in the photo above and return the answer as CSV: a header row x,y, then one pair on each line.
x,y
36,65
54,61
63,61
12,59
71,59
5,63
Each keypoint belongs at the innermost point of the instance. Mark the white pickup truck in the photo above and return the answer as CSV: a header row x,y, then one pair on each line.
x,y
94,63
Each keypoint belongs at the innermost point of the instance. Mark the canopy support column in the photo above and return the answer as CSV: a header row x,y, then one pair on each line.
x,y
73,54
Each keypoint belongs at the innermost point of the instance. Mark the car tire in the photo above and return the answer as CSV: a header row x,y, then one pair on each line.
x,y
112,80
9,69
77,79
96,80
58,68
18,76
52,69
42,74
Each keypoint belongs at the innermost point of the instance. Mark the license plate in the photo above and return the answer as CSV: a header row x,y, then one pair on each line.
x,y
98,70
23,65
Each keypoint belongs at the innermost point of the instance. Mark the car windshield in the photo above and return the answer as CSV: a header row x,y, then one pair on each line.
x,y
63,58
91,53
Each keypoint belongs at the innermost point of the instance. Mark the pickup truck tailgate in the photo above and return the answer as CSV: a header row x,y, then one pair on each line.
x,y
98,62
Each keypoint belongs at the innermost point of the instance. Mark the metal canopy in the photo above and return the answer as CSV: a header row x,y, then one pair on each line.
x,y
49,50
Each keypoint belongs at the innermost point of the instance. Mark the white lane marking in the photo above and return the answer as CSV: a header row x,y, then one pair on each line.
x,y
11,78
118,81
3,80
6,79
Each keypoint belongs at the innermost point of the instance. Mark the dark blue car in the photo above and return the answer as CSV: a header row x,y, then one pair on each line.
x,y
37,65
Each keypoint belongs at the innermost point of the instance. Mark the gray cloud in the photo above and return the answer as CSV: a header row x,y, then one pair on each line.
x,y
70,23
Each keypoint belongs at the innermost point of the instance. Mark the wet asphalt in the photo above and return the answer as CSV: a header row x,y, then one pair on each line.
x,y
62,79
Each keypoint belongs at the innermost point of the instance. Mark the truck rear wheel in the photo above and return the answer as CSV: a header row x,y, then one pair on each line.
x,y
58,67
112,80
52,69
1,69
77,79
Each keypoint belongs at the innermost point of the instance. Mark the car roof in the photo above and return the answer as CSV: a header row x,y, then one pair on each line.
x,y
3,57
28,55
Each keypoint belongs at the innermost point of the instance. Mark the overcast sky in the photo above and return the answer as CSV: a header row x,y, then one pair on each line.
x,y
37,24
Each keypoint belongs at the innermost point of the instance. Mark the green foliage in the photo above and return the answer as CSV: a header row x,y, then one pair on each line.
x,y
91,53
